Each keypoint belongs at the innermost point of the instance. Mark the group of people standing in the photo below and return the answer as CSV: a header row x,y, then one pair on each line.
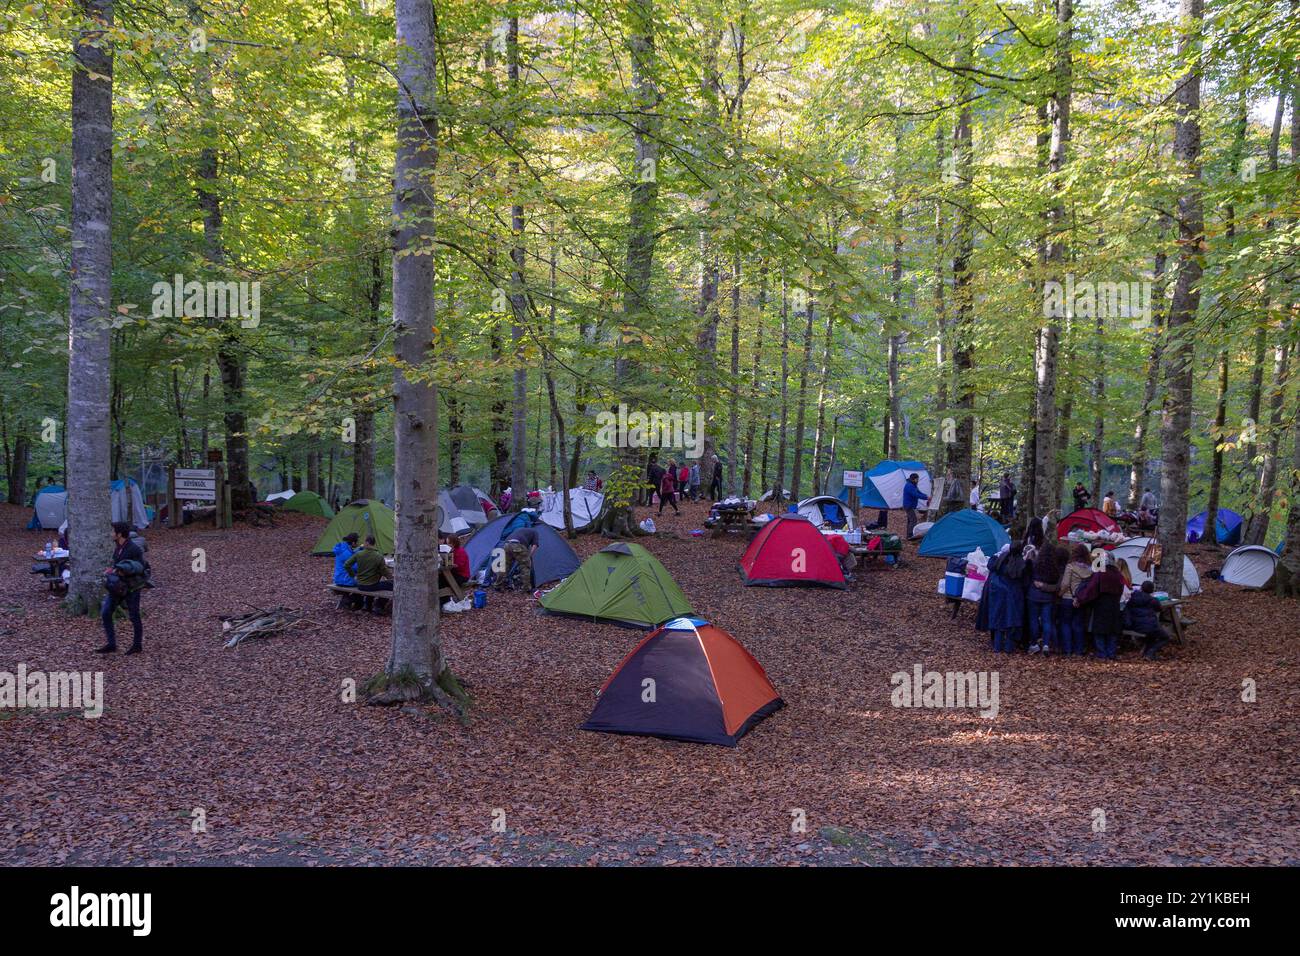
x,y
1045,598
673,482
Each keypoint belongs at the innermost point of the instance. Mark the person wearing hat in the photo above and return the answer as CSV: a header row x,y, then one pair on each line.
x,y
911,498
342,551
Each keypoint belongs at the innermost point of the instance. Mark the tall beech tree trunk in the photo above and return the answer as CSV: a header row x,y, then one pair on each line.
x,y
819,438
519,406
1138,471
778,483
363,451
417,668
960,450
755,391
943,373
1180,350
801,408
643,199
733,425
1047,490
89,308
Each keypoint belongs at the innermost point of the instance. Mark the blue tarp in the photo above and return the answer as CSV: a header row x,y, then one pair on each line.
x,y
960,533
869,495
1229,527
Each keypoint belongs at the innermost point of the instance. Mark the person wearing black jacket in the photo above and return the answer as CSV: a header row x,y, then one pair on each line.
x,y
129,568
1143,612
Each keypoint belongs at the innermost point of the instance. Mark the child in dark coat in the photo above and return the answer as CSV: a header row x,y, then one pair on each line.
x,y
1143,613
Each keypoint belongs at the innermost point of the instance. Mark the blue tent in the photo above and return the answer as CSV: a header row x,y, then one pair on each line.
x,y
554,559
1229,525
961,532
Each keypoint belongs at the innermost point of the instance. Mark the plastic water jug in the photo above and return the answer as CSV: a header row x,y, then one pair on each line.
x,y
480,599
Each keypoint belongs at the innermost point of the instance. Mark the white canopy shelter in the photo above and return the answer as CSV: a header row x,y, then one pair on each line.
x,y
1131,550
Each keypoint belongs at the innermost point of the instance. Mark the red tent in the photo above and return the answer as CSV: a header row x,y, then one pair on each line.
x,y
790,551
1085,519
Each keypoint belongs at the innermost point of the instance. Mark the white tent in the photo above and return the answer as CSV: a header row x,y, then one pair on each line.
x,y
1250,566
812,509
51,508
890,476
281,495
767,495
1131,550
584,505
126,502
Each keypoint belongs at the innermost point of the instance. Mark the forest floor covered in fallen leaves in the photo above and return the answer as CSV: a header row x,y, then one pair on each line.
x,y
285,772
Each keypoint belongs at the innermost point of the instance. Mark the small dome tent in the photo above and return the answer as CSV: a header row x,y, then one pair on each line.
x,y
708,688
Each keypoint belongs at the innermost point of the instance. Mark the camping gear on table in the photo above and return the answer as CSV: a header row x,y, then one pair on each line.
x,y
1250,566
1228,527
309,503
790,551
703,687
959,533
364,517
623,583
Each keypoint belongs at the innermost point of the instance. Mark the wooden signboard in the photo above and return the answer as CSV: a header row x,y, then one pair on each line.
x,y
198,484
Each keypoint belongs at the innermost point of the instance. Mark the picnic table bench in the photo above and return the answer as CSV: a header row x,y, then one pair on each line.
x,y
889,544
50,568
449,589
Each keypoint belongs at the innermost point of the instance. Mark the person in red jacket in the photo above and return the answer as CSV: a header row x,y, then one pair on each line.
x,y
459,559
668,488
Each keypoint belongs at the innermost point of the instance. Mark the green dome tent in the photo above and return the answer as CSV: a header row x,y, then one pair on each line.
x,y
309,503
365,518
623,583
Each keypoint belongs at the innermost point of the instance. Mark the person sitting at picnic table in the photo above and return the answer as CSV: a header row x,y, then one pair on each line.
x,y
1081,496
459,559
1143,616
370,570
1071,626
1109,505
1101,595
1002,605
1146,519
342,578
911,498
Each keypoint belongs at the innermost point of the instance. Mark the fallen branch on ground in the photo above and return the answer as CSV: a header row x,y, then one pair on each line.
x,y
259,623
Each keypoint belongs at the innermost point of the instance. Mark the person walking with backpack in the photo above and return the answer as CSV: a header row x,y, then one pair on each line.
x,y
125,579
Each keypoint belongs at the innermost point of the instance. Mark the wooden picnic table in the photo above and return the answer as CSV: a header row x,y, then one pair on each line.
x,y
731,519
55,562
864,551
1171,611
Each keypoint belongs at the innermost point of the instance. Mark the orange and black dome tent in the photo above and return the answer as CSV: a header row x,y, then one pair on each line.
x,y
788,551
690,681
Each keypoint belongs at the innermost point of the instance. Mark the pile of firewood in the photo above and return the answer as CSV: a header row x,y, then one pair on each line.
x,y
259,623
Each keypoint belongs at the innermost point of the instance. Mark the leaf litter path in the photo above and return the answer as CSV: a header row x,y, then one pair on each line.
x,y
284,771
